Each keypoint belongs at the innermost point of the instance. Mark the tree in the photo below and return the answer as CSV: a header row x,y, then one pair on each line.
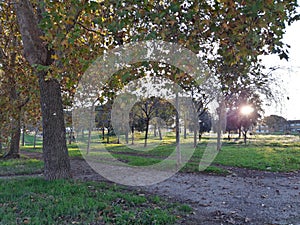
x,y
103,118
147,107
18,85
276,123
38,54
205,123
244,111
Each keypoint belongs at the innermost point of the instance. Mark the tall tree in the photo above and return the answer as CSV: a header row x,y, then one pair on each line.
x,y
38,54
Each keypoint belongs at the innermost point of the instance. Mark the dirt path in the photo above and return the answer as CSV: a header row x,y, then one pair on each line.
x,y
244,197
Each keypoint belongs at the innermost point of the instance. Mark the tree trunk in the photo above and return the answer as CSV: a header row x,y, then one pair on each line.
x,y
245,137
195,136
154,133
126,136
159,133
34,138
90,129
107,137
103,134
55,152
132,135
14,147
178,151
184,129
146,133
200,136
220,125
23,135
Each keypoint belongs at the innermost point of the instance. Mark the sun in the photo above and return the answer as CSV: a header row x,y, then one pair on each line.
x,y
247,109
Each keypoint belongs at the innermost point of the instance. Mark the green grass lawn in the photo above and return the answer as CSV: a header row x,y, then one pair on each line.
x,y
35,201
20,166
279,153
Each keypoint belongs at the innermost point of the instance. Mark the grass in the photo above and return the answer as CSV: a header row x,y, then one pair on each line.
x,y
20,166
278,153
35,201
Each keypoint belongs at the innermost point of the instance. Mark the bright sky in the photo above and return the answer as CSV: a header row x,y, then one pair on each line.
x,y
288,77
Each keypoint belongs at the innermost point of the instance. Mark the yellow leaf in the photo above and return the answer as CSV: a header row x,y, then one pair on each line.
x,y
55,57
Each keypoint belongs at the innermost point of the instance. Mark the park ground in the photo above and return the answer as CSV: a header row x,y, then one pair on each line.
x,y
254,184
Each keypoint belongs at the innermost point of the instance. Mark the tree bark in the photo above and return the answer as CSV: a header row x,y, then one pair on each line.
x,y
184,129
159,133
34,139
146,133
55,152
103,134
23,135
14,146
132,135
177,127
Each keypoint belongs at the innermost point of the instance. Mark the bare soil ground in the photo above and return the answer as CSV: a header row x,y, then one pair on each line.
x,y
243,197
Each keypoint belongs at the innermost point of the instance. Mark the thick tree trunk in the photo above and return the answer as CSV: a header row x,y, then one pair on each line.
x,y
55,152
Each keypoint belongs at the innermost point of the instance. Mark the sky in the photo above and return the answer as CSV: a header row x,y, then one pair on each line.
x,y
288,77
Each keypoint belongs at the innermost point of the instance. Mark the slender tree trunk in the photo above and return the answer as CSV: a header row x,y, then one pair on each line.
x,y
132,135
200,136
55,152
220,125
159,132
126,136
245,137
23,135
70,138
14,146
178,151
146,133
155,127
184,129
90,130
1,147
195,136
107,137
103,134
34,138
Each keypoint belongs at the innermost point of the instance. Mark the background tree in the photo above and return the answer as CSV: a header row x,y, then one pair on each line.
x,y
275,123
205,123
